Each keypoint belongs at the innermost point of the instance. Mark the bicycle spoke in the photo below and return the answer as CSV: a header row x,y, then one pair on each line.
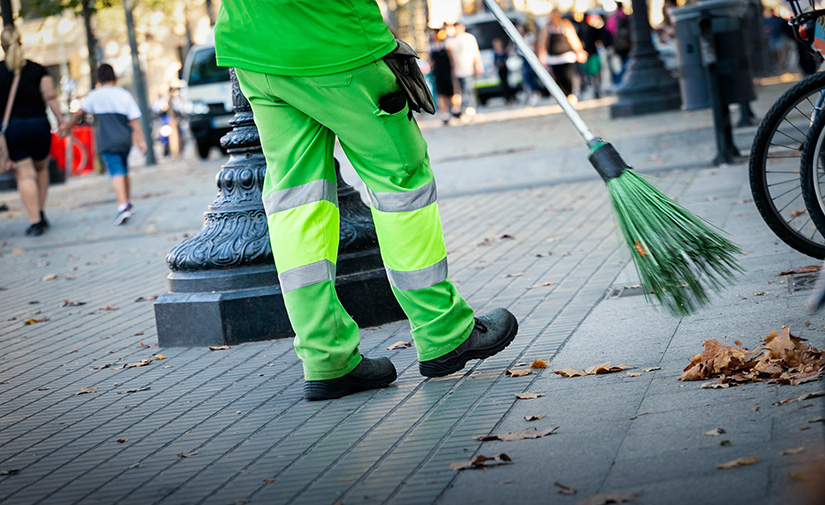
x,y
790,148
789,202
792,138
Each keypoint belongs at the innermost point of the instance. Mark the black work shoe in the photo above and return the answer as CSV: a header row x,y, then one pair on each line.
x,y
492,333
369,374
43,219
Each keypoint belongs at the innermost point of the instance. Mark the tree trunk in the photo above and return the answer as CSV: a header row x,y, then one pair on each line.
x,y
91,41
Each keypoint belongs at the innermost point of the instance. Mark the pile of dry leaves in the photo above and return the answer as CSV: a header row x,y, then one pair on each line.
x,y
782,358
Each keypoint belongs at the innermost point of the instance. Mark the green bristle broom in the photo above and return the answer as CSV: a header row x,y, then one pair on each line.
x,y
677,255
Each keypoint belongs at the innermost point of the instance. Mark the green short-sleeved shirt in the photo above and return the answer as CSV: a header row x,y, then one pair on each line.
x,y
300,37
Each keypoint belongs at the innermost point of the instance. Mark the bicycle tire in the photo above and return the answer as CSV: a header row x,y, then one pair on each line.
x,y
812,172
774,167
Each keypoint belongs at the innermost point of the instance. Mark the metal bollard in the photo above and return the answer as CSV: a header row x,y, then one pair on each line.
x,y
726,151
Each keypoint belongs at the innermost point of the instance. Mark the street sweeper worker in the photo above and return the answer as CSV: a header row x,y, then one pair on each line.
x,y
314,70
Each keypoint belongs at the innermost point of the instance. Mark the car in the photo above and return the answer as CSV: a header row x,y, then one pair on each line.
x,y
207,97
485,28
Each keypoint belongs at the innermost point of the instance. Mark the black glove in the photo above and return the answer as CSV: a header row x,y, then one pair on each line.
x,y
409,77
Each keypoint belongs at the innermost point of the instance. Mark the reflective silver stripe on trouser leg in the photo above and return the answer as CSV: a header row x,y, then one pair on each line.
x,y
405,201
310,192
418,279
306,275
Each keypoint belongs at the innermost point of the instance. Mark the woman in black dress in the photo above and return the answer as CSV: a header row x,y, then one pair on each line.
x,y
29,132
441,65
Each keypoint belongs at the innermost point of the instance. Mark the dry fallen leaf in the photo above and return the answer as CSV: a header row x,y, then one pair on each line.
x,y
528,396
604,368
160,356
804,270
544,255
714,385
518,274
136,390
187,454
640,249
144,345
13,471
634,374
108,307
520,435
146,298
569,371
121,440
817,420
85,391
218,347
399,345
605,499
737,463
788,452
33,321
49,277
142,362
519,372
651,368
269,481
481,462
543,284
715,432
538,364
67,303
564,489
535,417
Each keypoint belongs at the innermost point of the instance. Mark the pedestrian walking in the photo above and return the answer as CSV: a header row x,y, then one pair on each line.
x,y
441,66
311,76
117,127
28,132
593,36
618,26
500,54
560,48
468,66
528,77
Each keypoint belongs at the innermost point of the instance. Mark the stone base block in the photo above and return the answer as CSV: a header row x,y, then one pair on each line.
x,y
257,313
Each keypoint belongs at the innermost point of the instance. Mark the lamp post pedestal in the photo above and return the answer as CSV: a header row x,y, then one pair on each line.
x,y
648,87
223,286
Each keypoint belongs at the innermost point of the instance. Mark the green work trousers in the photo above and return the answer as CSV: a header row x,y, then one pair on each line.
x,y
298,118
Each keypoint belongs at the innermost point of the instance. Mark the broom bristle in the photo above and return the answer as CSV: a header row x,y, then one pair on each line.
x,y
677,255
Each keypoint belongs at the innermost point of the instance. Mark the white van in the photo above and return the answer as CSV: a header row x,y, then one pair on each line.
x,y
207,97
485,28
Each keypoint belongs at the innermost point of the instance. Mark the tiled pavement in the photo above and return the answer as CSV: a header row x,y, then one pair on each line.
x,y
238,415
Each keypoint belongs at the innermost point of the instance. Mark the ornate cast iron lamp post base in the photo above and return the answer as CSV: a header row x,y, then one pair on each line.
x,y
223,286
648,87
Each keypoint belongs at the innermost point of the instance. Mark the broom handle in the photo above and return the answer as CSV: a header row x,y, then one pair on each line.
x,y
541,72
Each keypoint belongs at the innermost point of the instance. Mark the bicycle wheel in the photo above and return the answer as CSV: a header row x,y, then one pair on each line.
x,y
774,166
812,168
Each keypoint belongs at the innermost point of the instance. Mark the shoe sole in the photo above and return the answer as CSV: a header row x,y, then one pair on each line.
x,y
326,390
459,362
122,219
